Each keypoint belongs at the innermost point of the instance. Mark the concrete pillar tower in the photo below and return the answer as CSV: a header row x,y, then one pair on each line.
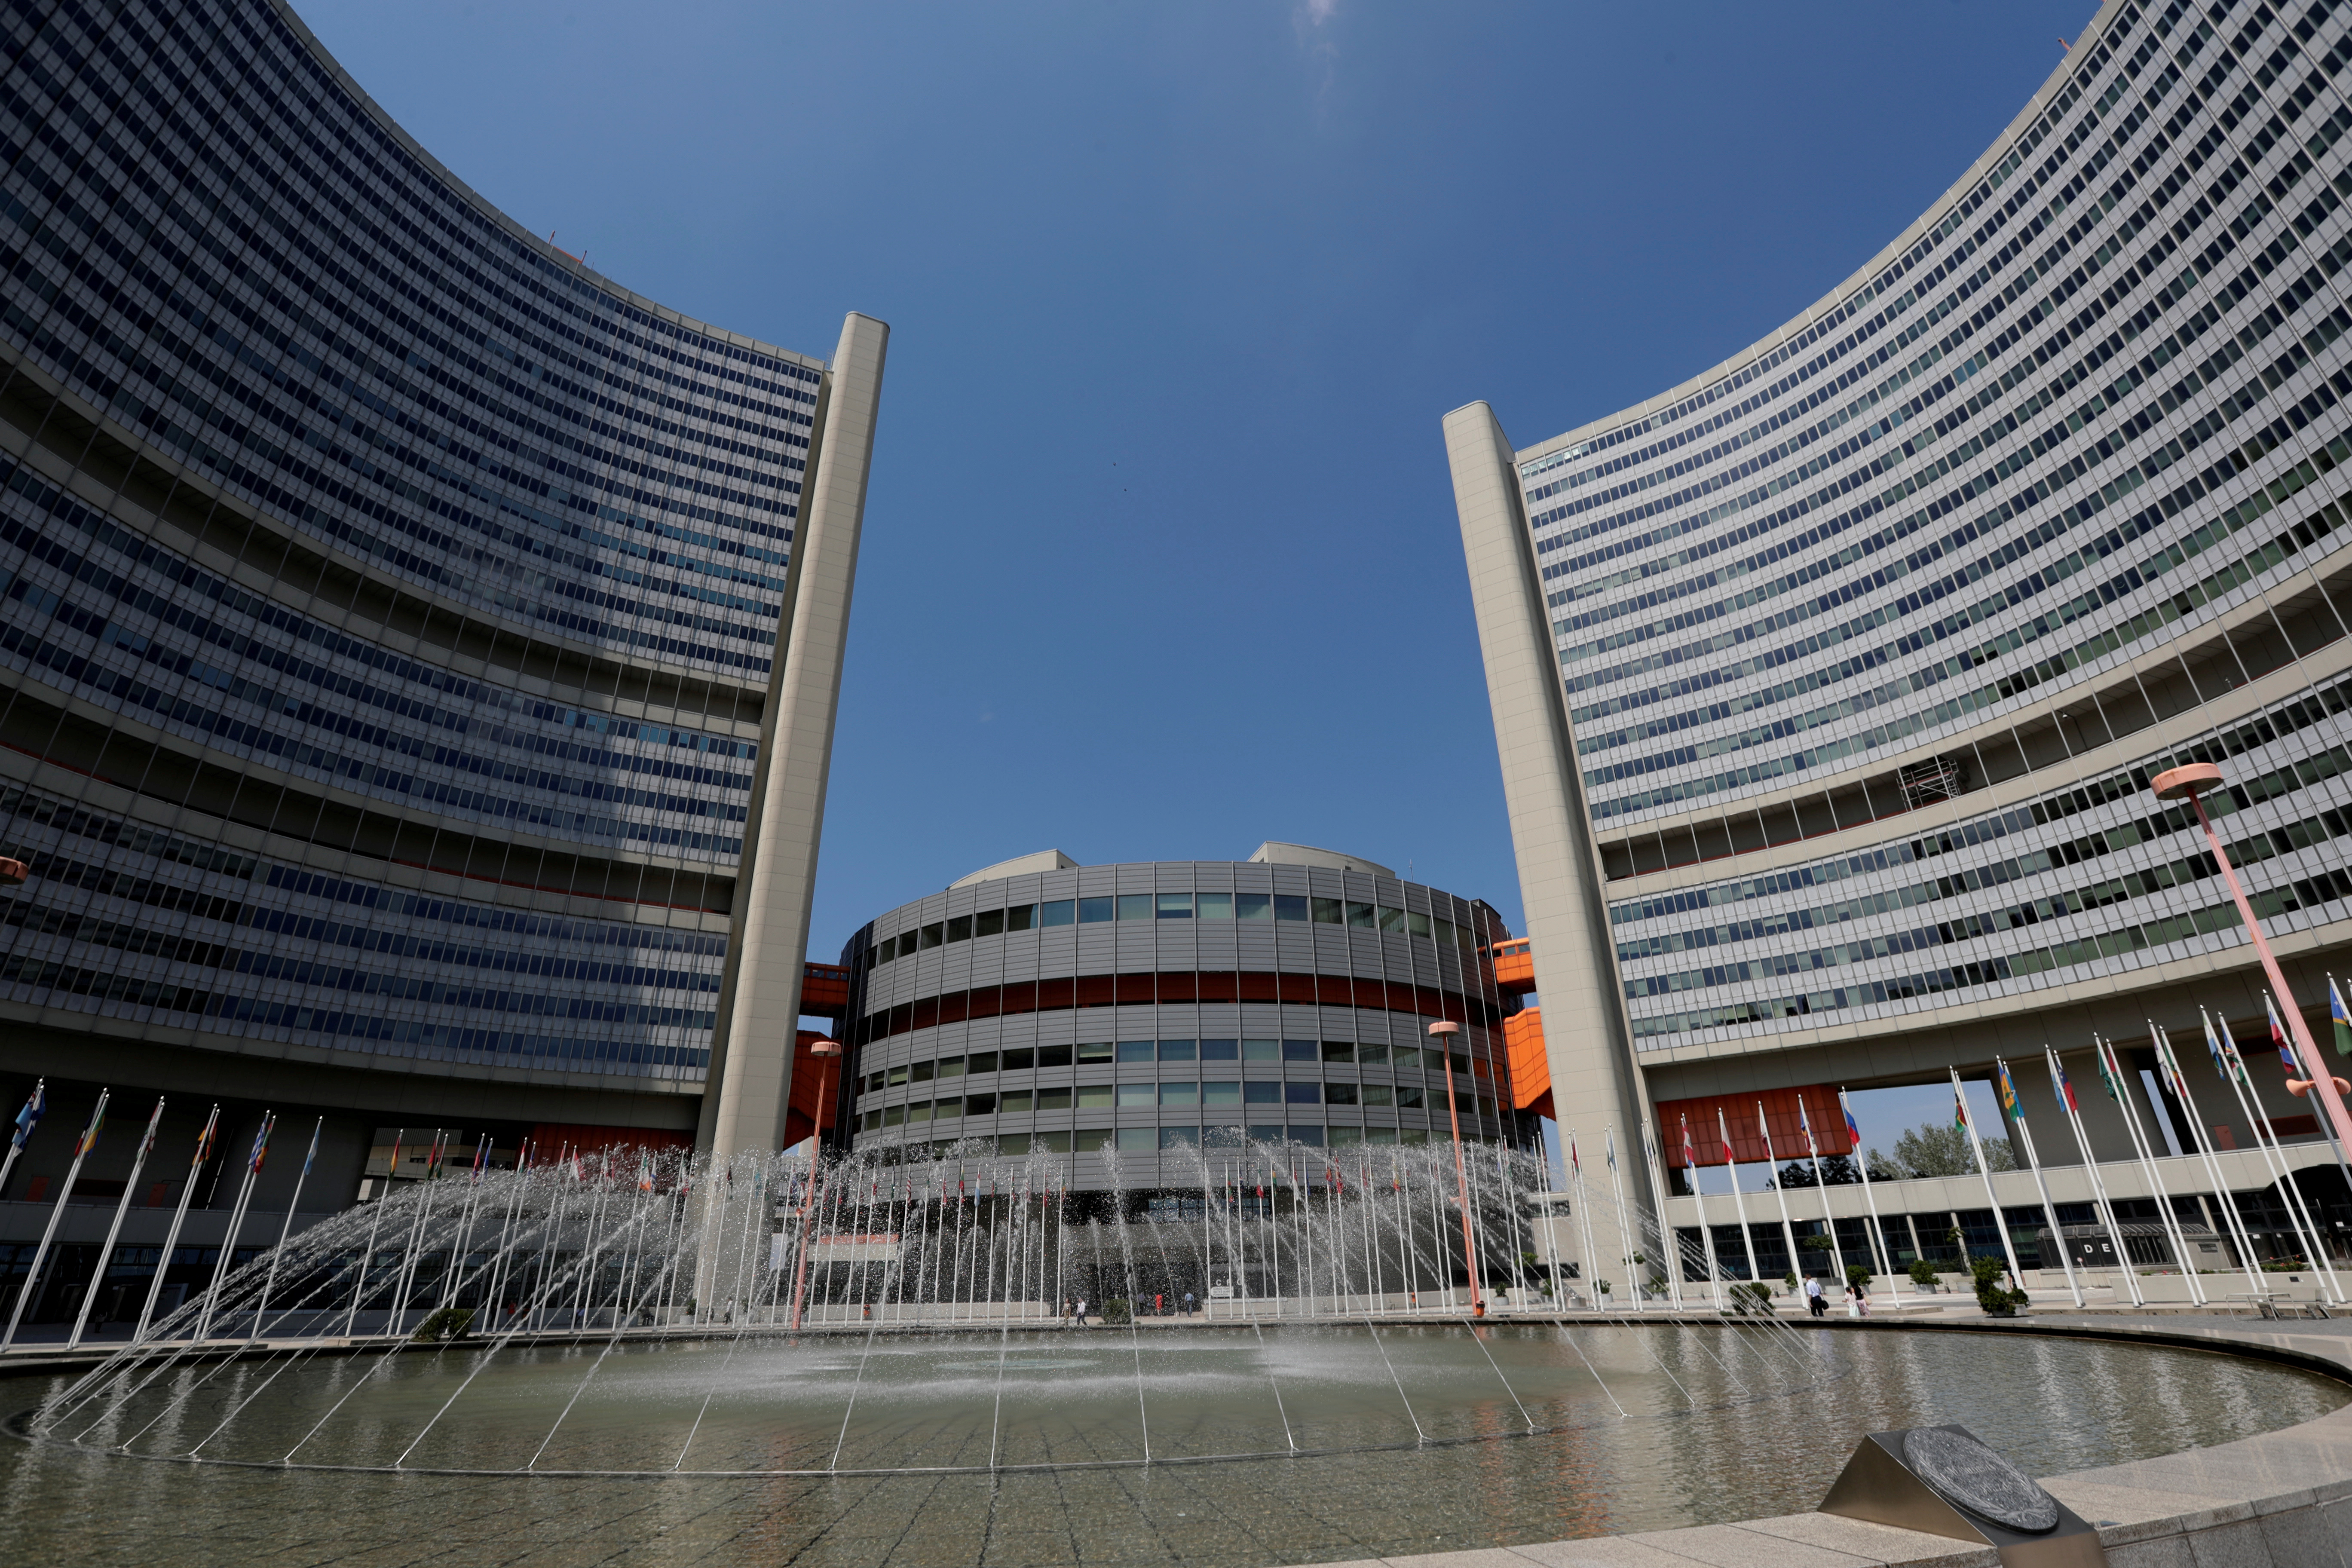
x,y
1587,1038
752,1056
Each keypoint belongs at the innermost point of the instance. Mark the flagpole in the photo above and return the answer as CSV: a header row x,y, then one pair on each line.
x,y
2065,1092
2049,1209
1738,1200
1706,1235
2273,1152
2240,1237
278,1253
2112,1067
1999,1220
1584,1219
1878,1229
57,1216
2343,1033
1650,1161
36,1107
98,1276
171,1236
1772,1166
236,1225
1625,1229
375,1224
1829,1220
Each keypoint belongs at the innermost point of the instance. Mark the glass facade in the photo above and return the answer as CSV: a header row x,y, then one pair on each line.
x,y
387,603
2044,503
1114,1013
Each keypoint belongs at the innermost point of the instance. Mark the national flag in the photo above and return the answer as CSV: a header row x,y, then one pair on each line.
x,y
2278,1030
261,1143
2164,1059
2107,1070
205,1141
2230,1054
2213,1047
2065,1085
89,1139
1722,1132
2340,1017
2008,1086
311,1156
30,1117
1959,1112
1852,1131
1690,1160
1574,1164
147,1144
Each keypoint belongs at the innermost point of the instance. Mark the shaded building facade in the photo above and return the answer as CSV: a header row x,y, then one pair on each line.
x,y
417,652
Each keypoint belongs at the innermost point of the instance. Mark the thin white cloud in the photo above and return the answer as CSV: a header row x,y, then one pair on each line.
x,y
1311,21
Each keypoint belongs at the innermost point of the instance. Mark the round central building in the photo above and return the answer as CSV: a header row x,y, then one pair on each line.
x,y
1131,1015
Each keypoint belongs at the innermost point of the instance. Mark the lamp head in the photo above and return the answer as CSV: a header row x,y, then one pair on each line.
x,y
2186,782
1444,1027
825,1047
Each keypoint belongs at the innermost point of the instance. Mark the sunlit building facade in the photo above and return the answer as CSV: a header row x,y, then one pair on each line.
x,y
1150,1020
1828,683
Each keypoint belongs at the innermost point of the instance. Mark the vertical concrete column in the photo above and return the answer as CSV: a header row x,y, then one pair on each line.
x,y
1588,1040
752,1054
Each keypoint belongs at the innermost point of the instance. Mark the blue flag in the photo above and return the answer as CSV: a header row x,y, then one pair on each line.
x,y
30,1117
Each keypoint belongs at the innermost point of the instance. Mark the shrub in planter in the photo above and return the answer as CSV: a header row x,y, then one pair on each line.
x,y
1990,1296
1120,1310
1923,1273
448,1323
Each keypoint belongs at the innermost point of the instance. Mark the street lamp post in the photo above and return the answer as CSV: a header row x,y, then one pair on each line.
x,y
2188,784
827,1052
1443,1031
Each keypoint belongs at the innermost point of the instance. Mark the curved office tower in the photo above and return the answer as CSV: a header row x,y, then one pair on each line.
x,y
1129,1016
1828,683
420,653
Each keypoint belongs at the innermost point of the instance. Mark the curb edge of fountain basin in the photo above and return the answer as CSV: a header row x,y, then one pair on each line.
x,y
2281,1499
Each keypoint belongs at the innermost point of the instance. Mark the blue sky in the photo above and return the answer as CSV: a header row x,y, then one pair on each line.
x,y
1160,558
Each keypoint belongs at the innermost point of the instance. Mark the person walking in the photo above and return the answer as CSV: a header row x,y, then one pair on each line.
x,y
1082,1312
1814,1303
1188,1303
1853,1308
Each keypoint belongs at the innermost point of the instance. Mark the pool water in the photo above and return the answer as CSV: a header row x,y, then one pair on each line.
x,y
1298,1444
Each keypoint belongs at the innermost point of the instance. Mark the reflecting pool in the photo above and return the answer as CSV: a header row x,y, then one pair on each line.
x,y
1292,1445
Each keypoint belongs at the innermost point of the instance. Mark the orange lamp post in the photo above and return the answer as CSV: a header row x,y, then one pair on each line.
x,y
2188,784
1443,1031
827,1052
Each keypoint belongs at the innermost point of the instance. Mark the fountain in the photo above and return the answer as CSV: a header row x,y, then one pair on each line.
x,y
845,1327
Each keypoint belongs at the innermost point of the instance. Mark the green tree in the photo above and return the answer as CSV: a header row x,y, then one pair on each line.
x,y
1934,1149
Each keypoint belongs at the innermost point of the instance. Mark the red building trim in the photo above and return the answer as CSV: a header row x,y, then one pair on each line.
x,y
1146,987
